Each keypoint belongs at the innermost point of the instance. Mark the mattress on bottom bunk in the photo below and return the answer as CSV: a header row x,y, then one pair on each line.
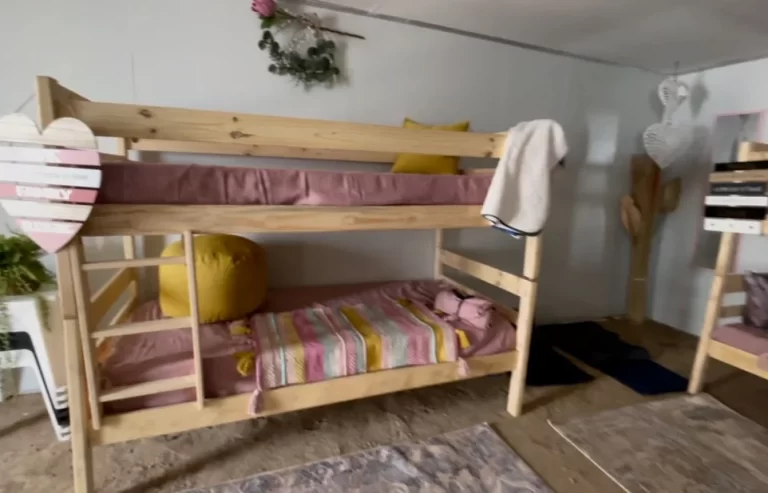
x,y
143,183
741,336
133,359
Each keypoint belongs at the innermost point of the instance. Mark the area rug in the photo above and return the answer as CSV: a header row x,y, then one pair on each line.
x,y
685,444
474,460
603,350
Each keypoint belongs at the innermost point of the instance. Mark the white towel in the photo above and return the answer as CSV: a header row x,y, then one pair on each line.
x,y
518,198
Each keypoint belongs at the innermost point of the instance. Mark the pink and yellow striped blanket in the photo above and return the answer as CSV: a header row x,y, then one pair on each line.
x,y
320,343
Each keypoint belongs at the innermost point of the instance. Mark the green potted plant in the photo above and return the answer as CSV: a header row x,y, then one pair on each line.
x,y
21,273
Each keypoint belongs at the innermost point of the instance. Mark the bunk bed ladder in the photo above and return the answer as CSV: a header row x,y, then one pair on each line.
x,y
90,335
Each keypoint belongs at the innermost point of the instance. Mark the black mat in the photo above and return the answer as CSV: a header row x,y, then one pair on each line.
x,y
601,349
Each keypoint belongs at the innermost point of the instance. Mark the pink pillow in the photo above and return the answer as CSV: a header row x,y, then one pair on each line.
x,y
471,310
756,310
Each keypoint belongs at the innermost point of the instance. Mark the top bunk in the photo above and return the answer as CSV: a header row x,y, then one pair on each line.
x,y
139,198
737,199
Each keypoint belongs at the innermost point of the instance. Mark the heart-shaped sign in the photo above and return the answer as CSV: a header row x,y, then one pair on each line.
x,y
50,192
665,143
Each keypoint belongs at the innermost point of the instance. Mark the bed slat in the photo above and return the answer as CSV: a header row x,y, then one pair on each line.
x,y
137,262
143,327
736,357
148,388
504,280
178,124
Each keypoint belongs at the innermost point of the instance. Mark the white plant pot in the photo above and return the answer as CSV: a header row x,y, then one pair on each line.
x,y
25,315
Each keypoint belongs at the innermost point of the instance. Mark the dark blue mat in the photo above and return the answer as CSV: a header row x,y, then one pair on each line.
x,y
601,349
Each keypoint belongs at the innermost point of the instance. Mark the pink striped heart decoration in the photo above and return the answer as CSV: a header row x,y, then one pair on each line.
x,y
49,192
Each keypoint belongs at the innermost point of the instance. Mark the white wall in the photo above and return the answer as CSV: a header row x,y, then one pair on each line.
x,y
681,286
203,54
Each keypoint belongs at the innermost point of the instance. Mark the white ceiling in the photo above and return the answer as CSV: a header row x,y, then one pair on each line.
x,y
650,34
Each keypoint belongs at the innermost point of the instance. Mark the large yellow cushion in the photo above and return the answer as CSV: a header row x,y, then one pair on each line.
x,y
426,164
231,278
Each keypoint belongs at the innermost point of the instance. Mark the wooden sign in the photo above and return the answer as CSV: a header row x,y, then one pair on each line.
x,y
48,192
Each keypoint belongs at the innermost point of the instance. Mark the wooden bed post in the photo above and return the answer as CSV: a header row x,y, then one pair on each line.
x,y
531,266
722,269
438,269
82,452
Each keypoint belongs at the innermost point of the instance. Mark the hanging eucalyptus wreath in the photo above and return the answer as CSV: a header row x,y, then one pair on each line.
x,y
317,64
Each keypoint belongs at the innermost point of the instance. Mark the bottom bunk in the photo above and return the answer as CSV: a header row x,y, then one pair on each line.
x,y
395,339
742,346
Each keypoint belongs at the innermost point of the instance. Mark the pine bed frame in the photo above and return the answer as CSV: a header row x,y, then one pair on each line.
x,y
183,130
725,282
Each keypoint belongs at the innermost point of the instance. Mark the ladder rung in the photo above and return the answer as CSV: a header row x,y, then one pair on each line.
x,y
148,388
143,327
136,262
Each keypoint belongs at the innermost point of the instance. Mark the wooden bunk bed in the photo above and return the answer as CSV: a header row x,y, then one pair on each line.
x,y
145,128
732,343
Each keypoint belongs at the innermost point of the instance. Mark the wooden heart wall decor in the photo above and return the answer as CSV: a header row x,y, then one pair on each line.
x,y
49,192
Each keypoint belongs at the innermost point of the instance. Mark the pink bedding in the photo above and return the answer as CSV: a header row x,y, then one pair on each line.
x,y
746,338
145,357
139,183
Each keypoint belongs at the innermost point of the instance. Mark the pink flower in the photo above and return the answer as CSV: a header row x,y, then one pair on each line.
x,y
265,8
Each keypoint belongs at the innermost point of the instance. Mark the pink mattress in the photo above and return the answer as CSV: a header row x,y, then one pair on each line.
x,y
744,337
142,183
145,357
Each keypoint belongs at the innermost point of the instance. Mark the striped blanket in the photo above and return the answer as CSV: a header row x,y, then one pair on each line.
x,y
314,344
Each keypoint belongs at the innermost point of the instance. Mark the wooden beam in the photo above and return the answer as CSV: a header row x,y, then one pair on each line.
x,y
83,321
437,270
131,263
182,417
149,145
148,388
753,151
734,283
531,268
107,220
159,325
722,269
82,453
77,391
497,277
736,357
175,124
103,300
731,311
746,175
123,313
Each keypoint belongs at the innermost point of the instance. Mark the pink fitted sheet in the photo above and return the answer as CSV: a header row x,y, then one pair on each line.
x,y
143,183
744,337
145,357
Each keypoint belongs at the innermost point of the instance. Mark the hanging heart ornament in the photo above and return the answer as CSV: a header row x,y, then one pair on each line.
x,y
672,94
667,142
49,192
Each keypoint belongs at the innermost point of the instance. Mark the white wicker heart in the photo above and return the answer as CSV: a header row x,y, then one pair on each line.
x,y
668,142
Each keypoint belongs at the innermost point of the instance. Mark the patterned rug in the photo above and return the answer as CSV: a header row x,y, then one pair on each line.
x,y
475,460
691,443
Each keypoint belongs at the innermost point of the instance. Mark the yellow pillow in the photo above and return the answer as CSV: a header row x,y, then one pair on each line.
x,y
425,164
231,276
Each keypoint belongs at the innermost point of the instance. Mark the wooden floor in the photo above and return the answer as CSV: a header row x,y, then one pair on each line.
x,y
31,462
